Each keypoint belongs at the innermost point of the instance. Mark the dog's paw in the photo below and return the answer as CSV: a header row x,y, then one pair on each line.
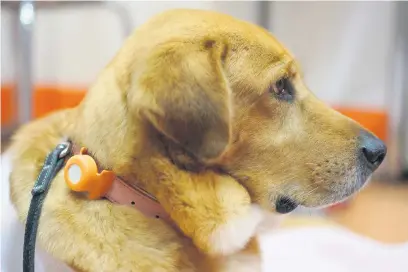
x,y
233,236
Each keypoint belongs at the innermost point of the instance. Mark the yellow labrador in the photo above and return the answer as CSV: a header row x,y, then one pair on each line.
x,y
211,116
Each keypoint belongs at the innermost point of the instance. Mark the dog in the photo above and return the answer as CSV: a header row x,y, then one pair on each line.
x,y
210,115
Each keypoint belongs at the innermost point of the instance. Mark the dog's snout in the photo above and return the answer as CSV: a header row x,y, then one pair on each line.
x,y
373,149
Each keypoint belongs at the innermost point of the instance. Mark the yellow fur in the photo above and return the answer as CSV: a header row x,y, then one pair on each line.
x,y
188,90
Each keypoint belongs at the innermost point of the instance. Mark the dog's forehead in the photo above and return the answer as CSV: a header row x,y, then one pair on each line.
x,y
184,22
248,44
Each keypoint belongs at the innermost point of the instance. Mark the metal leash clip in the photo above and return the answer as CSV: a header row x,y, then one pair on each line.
x,y
66,149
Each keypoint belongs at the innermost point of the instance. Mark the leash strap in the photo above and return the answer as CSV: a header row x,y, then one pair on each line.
x,y
53,163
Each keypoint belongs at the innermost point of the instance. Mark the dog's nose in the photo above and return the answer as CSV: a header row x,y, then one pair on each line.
x,y
373,149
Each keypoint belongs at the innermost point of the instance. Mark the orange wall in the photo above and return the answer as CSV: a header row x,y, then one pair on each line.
x,y
50,98
373,120
45,100
7,104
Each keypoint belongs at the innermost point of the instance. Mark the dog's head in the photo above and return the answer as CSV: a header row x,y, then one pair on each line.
x,y
230,96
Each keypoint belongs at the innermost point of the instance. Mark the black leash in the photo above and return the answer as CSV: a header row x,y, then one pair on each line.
x,y
53,163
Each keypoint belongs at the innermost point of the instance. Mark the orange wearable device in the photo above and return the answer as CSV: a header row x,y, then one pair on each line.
x,y
81,175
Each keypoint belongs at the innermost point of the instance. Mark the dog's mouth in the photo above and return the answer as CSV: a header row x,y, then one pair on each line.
x,y
285,205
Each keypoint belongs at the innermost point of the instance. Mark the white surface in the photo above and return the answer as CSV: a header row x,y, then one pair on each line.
x,y
330,249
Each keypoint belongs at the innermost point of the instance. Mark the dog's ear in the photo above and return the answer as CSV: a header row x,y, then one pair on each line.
x,y
184,93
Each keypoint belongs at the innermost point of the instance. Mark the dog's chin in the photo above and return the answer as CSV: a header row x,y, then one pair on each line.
x,y
322,198
341,193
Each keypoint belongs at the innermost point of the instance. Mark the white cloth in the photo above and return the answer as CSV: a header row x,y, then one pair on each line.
x,y
329,248
317,249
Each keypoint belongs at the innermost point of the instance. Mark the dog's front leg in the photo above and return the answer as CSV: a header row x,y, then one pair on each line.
x,y
213,210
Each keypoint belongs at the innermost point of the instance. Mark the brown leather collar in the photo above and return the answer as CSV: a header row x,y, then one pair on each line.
x,y
122,193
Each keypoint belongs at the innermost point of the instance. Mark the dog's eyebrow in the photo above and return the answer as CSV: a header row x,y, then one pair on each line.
x,y
287,65
279,58
290,65
295,68
282,59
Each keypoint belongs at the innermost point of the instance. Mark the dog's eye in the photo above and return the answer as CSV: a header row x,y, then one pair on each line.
x,y
283,89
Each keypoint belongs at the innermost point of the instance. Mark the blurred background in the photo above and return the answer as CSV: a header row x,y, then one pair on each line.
x,y
354,56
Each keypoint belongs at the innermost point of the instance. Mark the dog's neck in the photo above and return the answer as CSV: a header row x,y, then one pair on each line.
x,y
122,141
119,145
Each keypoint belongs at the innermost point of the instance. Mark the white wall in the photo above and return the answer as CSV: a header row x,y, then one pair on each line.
x,y
72,44
345,48
7,47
